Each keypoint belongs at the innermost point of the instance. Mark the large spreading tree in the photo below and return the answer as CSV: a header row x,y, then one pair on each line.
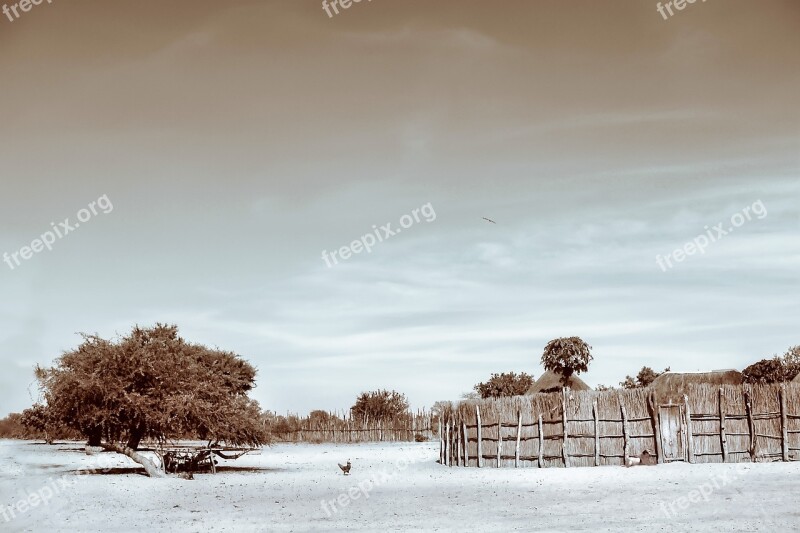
x,y
567,356
152,384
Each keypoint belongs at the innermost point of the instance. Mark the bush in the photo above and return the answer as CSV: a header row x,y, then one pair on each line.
x,y
505,384
765,371
419,437
378,406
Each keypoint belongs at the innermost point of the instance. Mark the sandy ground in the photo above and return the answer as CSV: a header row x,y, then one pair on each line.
x,y
393,487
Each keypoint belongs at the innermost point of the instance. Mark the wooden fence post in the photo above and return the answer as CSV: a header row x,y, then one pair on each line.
x,y
499,443
564,421
441,443
784,423
625,435
689,439
466,444
519,436
480,436
751,425
541,443
722,436
458,443
596,433
448,450
651,401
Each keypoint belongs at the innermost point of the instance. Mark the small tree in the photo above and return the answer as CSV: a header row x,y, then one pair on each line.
x,y
380,405
643,379
319,416
505,384
791,362
567,356
765,371
38,420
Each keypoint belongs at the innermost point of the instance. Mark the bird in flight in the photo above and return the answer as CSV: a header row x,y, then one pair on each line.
x,y
345,468
489,220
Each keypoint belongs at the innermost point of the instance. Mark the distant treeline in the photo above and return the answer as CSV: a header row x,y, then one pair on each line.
x,y
11,427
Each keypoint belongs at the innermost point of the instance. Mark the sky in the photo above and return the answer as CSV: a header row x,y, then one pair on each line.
x,y
232,143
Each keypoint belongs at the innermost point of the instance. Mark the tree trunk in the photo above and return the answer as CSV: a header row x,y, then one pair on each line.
x,y
149,467
96,437
135,438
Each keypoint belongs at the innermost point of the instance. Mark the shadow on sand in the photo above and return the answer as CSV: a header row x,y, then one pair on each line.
x,y
121,471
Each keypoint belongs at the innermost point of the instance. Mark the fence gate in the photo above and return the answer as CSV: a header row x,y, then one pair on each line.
x,y
673,444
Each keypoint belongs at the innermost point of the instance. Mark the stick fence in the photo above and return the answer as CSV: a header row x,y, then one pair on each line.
x,y
725,424
418,426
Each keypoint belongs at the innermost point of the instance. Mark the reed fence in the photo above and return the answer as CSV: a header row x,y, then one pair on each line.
x,y
591,428
416,426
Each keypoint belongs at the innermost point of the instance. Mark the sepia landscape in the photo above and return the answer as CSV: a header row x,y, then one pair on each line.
x,y
356,265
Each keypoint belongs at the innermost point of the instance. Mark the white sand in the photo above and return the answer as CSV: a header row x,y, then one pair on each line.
x,y
283,490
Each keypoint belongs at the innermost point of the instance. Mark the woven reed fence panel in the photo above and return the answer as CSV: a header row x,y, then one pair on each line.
x,y
742,423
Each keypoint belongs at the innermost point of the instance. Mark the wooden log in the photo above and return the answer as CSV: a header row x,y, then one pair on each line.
x,y
625,435
466,444
541,443
723,438
651,402
784,424
480,436
751,425
519,436
596,433
689,438
564,455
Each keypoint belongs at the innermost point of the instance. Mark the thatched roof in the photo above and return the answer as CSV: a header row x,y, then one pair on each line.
x,y
551,382
671,386
796,379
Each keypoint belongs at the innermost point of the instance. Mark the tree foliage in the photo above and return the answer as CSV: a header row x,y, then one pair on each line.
x,y
380,405
505,384
318,416
567,356
766,371
152,384
775,370
791,362
643,379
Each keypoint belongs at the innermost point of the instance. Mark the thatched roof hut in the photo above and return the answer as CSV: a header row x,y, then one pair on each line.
x,y
671,386
551,382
